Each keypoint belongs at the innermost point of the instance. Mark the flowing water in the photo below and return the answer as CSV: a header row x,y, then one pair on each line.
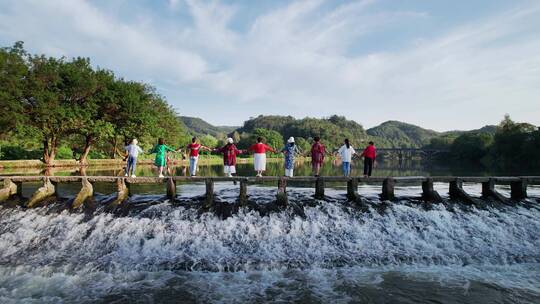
x,y
153,250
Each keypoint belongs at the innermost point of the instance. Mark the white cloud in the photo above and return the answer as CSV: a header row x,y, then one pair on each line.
x,y
300,59
75,28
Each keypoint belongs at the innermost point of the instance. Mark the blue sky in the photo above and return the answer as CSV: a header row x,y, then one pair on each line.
x,y
439,64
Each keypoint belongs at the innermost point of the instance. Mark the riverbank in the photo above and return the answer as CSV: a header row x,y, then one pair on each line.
x,y
67,163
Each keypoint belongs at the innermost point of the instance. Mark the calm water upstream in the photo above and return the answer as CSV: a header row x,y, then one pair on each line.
x,y
154,250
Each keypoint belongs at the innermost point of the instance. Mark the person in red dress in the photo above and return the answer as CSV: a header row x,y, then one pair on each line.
x,y
259,154
229,157
369,154
317,155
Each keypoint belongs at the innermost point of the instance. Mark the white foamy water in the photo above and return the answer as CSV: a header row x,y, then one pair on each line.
x,y
326,251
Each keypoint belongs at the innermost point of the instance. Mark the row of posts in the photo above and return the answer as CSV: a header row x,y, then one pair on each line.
x,y
518,191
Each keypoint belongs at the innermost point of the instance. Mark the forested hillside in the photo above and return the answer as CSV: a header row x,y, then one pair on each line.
x,y
332,130
399,134
198,127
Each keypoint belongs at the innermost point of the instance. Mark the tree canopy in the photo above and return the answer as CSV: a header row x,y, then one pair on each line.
x,y
63,102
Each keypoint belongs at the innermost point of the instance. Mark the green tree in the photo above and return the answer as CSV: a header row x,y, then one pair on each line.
x,y
93,122
303,144
209,141
512,143
272,138
471,147
55,101
13,70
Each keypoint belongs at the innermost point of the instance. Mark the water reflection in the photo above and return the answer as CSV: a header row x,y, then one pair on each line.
x,y
275,168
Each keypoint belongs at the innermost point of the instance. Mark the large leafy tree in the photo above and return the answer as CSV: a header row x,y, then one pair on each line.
x,y
46,111
512,142
13,70
471,146
61,100
95,123
68,102
136,111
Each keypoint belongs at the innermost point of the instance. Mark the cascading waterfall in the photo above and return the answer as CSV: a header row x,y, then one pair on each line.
x,y
328,251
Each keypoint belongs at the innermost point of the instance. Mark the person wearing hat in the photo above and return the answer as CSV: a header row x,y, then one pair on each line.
x,y
290,151
259,154
133,151
229,157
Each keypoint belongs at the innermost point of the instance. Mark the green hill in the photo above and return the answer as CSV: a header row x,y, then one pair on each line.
x,y
199,127
488,129
399,134
332,130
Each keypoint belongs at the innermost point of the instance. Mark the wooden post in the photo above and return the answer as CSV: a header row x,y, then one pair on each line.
x,y
19,188
281,196
388,189
456,187
488,188
319,188
209,201
86,191
242,198
122,191
10,189
352,189
518,190
428,193
488,191
171,188
42,193
456,192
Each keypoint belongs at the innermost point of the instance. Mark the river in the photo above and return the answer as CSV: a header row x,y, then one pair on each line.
x,y
155,250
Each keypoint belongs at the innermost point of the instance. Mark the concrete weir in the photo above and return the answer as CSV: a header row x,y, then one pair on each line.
x,y
9,189
518,186
44,192
86,192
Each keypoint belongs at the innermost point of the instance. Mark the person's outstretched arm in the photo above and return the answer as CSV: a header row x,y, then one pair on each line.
x,y
268,148
169,148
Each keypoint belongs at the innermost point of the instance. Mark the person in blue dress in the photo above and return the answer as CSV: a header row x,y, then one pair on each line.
x,y
290,151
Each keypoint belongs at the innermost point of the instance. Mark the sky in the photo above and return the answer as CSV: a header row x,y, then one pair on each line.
x,y
443,65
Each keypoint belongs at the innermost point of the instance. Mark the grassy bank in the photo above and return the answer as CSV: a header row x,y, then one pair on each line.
x,y
203,160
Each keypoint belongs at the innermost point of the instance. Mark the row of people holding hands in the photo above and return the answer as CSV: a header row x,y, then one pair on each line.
x,y
259,149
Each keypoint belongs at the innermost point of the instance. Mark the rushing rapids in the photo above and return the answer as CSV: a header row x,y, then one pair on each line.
x,y
312,251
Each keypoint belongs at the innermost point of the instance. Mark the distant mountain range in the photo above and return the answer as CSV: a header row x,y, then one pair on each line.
x,y
333,129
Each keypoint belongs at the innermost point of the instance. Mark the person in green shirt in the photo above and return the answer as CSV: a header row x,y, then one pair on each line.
x,y
161,150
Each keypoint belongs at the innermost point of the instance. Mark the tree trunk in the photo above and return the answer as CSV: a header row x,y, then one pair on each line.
x,y
49,150
46,151
113,154
87,145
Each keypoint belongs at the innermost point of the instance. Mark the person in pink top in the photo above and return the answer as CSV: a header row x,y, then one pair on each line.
x,y
194,148
259,153
369,154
